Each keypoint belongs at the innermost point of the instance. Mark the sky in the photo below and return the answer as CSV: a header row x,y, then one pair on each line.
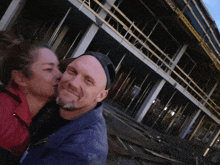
x,y
213,7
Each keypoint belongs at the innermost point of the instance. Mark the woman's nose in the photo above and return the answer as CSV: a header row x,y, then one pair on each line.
x,y
58,74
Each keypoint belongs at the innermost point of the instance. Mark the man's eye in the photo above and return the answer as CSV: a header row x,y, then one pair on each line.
x,y
72,71
89,81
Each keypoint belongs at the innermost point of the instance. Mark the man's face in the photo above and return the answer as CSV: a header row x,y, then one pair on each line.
x,y
82,84
45,74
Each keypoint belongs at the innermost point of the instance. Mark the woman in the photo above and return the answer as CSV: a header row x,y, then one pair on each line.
x,y
30,73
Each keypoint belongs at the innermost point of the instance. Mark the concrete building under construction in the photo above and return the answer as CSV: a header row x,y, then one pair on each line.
x,y
167,56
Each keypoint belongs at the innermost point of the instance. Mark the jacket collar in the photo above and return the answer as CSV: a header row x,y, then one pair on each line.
x,y
76,125
22,111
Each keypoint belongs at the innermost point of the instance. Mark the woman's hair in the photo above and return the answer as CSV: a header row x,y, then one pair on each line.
x,y
16,54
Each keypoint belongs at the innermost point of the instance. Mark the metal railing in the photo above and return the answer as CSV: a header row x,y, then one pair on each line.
x,y
125,29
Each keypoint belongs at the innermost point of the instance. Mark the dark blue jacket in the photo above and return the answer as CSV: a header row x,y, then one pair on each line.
x,y
81,142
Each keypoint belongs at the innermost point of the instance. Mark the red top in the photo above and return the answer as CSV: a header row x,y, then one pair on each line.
x,y
14,121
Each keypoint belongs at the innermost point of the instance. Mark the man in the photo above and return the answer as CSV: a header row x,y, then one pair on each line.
x,y
75,133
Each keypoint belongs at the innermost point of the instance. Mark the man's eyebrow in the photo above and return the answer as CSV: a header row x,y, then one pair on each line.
x,y
90,77
85,75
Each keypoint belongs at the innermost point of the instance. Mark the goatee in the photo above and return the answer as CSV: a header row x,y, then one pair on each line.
x,y
66,106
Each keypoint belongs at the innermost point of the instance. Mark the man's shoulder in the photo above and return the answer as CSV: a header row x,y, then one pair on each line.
x,y
85,138
89,143
88,122
88,126
94,133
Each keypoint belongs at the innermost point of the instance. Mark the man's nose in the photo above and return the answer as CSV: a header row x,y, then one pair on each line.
x,y
75,81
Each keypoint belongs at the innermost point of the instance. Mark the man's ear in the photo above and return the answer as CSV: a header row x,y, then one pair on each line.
x,y
18,78
102,95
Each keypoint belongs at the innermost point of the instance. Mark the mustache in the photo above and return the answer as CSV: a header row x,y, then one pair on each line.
x,y
72,89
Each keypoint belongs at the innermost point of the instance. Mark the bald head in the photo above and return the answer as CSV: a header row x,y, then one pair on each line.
x,y
82,85
91,68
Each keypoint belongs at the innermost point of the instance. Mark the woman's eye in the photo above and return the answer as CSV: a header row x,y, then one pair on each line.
x,y
49,69
73,71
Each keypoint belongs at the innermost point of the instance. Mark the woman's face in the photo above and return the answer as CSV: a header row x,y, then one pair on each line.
x,y
45,74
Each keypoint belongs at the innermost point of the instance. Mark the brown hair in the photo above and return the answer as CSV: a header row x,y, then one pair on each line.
x,y
16,54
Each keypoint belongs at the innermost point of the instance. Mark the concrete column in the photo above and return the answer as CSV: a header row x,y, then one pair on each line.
x,y
91,32
193,118
60,38
107,5
55,33
211,92
157,88
188,124
11,14
149,100
180,53
86,40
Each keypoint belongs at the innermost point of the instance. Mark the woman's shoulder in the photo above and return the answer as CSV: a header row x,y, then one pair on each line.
x,y
4,96
7,101
7,97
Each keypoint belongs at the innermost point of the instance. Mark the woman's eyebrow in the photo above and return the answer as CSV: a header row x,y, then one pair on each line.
x,y
52,64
